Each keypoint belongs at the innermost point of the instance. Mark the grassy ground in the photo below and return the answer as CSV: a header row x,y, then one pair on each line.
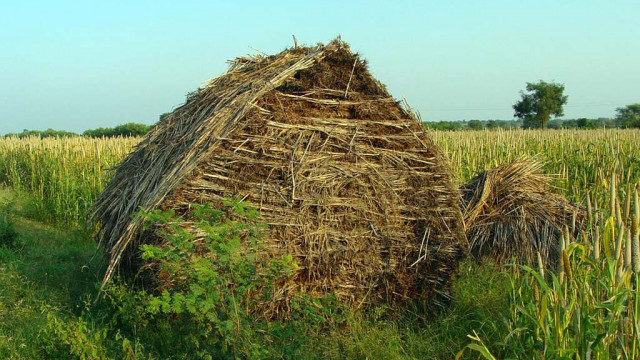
x,y
45,269
52,271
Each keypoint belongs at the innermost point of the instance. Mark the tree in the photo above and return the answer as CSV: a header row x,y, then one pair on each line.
x,y
628,116
492,124
475,125
43,133
128,129
444,125
542,100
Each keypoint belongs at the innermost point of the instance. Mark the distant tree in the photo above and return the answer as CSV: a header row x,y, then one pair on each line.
x,y
492,124
42,133
129,129
444,125
459,125
475,125
98,132
570,124
628,116
542,100
584,123
608,123
555,124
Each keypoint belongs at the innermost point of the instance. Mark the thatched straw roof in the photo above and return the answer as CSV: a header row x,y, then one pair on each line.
x,y
347,179
512,211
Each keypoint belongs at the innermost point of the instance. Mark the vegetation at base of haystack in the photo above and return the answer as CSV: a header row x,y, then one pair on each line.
x,y
205,304
50,272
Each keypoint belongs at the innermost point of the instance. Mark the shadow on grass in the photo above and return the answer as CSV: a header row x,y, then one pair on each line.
x,y
44,268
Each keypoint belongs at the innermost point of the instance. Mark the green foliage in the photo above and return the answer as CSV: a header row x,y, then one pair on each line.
x,y
475,125
8,233
543,100
471,125
215,281
492,124
86,337
581,123
76,338
42,133
628,116
417,331
443,125
46,268
128,129
206,306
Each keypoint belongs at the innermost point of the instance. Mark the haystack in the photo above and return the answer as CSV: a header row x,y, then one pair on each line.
x,y
346,178
512,211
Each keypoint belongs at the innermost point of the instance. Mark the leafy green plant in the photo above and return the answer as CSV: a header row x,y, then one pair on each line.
x,y
213,279
66,336
205,302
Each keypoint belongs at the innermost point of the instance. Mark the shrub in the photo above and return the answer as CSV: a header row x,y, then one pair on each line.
x,y
204,302
212,284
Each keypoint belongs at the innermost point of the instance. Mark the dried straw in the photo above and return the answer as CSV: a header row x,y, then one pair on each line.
x,y
352,187
511,211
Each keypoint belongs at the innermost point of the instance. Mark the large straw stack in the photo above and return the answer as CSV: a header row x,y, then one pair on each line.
x,y
347,179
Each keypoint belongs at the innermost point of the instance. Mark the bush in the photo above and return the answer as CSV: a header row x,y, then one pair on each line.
x,y
211,284
204,302
8,233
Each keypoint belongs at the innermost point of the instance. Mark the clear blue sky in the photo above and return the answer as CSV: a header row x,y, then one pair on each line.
x,y
75,65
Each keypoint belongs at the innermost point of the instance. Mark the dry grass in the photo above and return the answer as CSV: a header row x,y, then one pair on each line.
x,y
348,180
512,211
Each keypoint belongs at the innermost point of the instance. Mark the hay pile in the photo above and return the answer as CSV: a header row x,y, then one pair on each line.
x,y
347,179
511,211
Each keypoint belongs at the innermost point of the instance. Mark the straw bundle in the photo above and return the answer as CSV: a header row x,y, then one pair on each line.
x,y
511,212
347,179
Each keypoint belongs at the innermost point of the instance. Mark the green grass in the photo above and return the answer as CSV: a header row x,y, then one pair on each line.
x,y
480,301
46,268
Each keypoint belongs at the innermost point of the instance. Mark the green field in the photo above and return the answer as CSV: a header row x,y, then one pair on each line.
x,y
50,272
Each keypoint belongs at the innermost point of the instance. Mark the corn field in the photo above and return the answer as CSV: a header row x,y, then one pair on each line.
x,y
585,307
62,176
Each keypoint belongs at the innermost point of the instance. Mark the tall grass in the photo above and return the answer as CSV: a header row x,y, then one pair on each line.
x,y
62,175
583,159
585,307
